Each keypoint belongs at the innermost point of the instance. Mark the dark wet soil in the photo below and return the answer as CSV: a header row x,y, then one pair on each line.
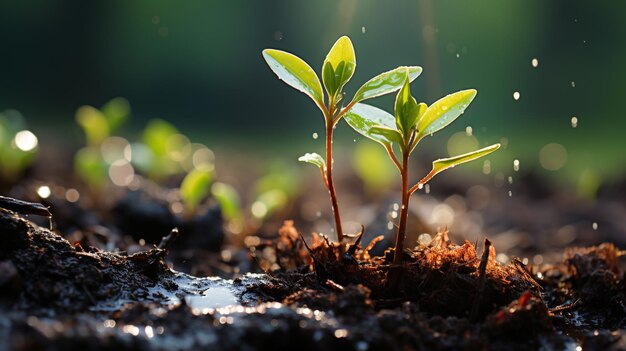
x,y
56,295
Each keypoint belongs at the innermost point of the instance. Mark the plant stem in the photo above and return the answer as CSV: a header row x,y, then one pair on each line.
x,y
330,126
404,211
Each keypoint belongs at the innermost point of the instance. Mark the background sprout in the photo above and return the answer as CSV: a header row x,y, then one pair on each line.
x,y
411,123
18,146
370,165
337,69
230,202
195,187
94,163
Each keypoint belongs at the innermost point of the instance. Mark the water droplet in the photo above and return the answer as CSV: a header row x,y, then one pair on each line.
x,y
510,180
594,226
389,225
363,29
574,122
419,186
468,131
458,55
427,188
72,195
573,84
486,167
25,140
516,95
516,165
44,191
315,136
510,193
396,207
424,239
534,62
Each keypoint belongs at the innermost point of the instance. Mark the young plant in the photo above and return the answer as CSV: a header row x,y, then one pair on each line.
x,y
90,162
411,123
337,70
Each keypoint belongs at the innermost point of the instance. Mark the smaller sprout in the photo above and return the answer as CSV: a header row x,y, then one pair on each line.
x,y
195,187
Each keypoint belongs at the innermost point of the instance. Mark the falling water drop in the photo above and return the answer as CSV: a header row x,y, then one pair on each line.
x,y
594,226
516,95
363,29
534,62
574,122
468,131
573,84
315,136
516,165
427,188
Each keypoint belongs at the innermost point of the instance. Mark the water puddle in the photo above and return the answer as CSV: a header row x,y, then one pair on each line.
x,y
212,298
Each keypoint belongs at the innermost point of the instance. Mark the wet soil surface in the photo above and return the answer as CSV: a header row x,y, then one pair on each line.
x,y
55,295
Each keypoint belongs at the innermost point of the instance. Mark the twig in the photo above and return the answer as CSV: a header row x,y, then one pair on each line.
x,y
482,278
24,207
168,240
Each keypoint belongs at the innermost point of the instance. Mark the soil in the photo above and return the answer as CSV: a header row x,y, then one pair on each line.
x,y
60,291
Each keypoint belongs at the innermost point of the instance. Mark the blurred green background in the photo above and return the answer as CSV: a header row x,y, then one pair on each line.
x,y
198,64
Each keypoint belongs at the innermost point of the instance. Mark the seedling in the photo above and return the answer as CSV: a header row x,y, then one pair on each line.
x,y
412,122
90,162
337,70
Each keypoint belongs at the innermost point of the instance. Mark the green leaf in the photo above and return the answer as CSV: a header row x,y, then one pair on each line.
x,y
444,111
406,109
390,135
94,124
195,187
338,66
386,83
296,73
313,158
116,112
445,163
362,118
228,199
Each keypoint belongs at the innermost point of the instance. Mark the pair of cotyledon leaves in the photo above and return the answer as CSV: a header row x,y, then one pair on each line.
x,y
367,120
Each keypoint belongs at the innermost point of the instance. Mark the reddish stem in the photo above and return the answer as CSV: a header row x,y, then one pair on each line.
x,y
329,179
404,211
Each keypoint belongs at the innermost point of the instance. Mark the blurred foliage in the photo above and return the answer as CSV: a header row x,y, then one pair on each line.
x,y
189,60
18,146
